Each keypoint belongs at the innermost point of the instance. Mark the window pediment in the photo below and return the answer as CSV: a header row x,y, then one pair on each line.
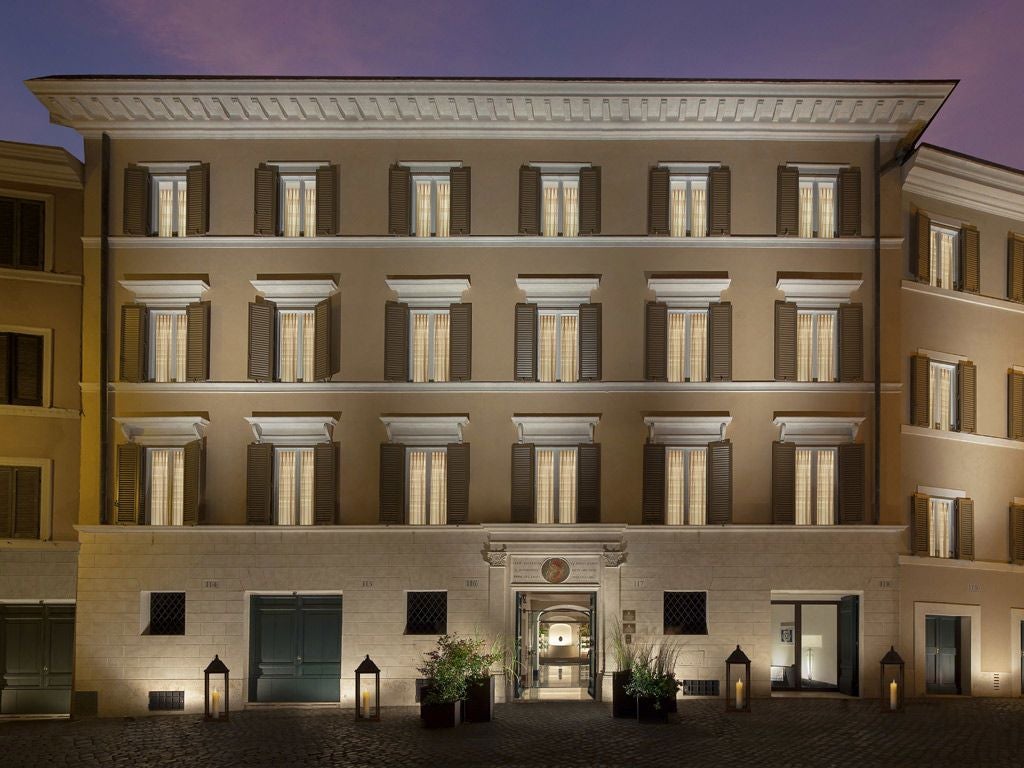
x,y
163,430
819,290
696,289
429,291
295,292
691,429
556,430
425,430
558,290
818,430
292,429
161,292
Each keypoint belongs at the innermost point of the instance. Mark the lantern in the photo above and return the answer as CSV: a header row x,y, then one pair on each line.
x,y
215,696
367,700
737,682
892,681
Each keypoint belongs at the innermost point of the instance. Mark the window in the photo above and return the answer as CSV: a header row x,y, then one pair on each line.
x,y
427,486
815,486
429,345
295,345
558,345
817,206
431,196
686,486
294,481
168,344
22,239
20,502
166,474
169,196
686,613
426,613
943,256
556,485
941,527
688,345
166,614
21,369
298,205
689,200
942,387
816,345
560,198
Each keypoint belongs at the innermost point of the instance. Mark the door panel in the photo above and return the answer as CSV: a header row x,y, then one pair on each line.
x,y
942,654
38,655
849,645
592,684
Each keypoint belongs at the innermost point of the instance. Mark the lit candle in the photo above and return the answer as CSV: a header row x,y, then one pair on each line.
x,y
216,705
366,703
892,696
739,694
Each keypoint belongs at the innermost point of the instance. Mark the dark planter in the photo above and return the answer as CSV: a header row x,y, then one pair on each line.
x,y
623,705
651,710
443,715
670,703
479,703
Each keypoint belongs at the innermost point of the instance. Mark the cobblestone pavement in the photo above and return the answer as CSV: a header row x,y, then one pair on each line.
x,y
781,732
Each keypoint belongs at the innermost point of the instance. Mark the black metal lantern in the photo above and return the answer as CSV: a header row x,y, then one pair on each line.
x,y
737,682
892,681
216,691
367,701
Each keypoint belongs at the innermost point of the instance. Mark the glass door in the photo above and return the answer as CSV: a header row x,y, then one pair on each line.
x,y
806,646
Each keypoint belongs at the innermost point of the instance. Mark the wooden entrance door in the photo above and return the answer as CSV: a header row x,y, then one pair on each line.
x,y
942,654
38,645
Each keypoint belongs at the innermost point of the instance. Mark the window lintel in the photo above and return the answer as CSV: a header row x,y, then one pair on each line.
x,y
819,290
429,291
691,290
818,430
555,430
164,431
295,292
425,430
157,292
293,430
694,429
558,290
941,493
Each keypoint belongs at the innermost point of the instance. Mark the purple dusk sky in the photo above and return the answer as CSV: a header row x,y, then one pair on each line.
x,y
977,42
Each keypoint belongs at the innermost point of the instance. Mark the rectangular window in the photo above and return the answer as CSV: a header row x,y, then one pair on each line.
x,y
166,614
22,233
168,332
20,502
560,213
943,260
686,613
689,212
688,345
428,347
427,486
298,205
295,344
169,205
815,486
426,613
942,394
556,485
817,206
686,486
432,204
558,345
166,473
293,470
23,374
816,345
941,527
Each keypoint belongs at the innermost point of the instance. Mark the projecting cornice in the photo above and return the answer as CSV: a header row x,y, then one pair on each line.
x,y
438,108
954,178
39,164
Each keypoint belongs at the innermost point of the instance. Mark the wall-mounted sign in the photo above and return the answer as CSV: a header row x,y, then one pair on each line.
x,y
555,570
570,570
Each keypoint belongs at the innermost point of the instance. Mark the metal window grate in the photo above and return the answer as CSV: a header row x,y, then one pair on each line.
x,y
686,613
167,613
700,687
426,613
165,701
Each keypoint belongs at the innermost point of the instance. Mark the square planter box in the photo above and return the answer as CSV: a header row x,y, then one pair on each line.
x,y
623,705
479,703
650,710
445,715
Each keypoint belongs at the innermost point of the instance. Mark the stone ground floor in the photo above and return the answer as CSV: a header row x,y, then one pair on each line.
x,y
778,732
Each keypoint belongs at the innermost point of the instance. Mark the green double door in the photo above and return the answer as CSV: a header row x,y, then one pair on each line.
x,y
942,654
295,648
37,645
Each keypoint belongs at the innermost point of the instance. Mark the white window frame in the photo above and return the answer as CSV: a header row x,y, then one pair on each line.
x,y
816,313
814,181
433,178
47,372
179,184
428,450
816,450
297,490
172,366
304,180
561,180
556,468
934,417
687,335
305,315
686,450
954,533
171,489
429,312
45,491
689,182
934,229
558,314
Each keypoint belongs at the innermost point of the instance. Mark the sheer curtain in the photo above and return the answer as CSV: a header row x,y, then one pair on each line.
x,y
675,471
551,210
698,210
444,208
158,485
165,215
940,531
676,345
420,346
181,346
826,487
803,487
567,485
309,210
423,194
804,346
292,209
162,352
546,352
826,347
441,326
568,354
826,210
545,485
941,394
308,344
697,512
438,487
286,487
570,210
698,346
306,486
678,217
288,338
806,210
417,487
182,208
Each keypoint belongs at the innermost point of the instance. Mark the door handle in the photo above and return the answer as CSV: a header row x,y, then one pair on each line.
x,y
298,659
46,669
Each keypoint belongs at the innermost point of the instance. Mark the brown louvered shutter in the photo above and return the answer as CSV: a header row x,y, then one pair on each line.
x,y
590,342
27,490
720,341
787,210
523,503
325,483
529,200
1016,533
656,341
259,484
28,370
327,214
785,341
1015,268
136,201
1014,405
460,215
970,259
197,199
392,483
526,342
590,200
197,341
920,370
262,347
719,482
848,181
31,220
588,483
921,255
460,342
653,509
658,182
5,368
396,341
133,342
399,206
322,334
8,224
851,342
458,483
967,397
6,502
720,201
783,483
192,485
265,203
919,520
965,529
851,484
130,497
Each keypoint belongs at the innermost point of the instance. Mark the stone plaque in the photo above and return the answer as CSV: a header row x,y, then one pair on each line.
x,y
581,569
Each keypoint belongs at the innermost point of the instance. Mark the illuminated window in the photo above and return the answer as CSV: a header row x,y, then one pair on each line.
x,y
428,346
941,527
560,201
689,211
686,486
298,205
556,485
688,345
558,345
942,388
295,345
817,206
816,345
293,475
168,344
815,486
169,205
431,205
943,261
166,486
427,486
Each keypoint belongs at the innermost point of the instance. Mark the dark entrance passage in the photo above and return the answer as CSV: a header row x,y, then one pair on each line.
x,y
37,645
556,641
942,654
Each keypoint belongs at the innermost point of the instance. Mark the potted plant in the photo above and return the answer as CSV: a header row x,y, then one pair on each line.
x,y
623,704
479,698
445,670
654,684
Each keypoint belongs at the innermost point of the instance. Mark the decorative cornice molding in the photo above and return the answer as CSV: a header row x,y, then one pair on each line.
x,y
968,298
960,180
39,164
36,411
825,292
163,430
429,291
296,292
293,429
963,437
36,276
558,290
425,430
693,429
693,290
555,430
166,292
818,430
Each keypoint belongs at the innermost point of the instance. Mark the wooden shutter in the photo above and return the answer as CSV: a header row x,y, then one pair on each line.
x,y
136,201
526,342
31,221
590,342
1016,533
919,519
659,181
396,341
529,200
322,334
197,352
921,255
787,211
327,214
392,483
1014,405
458,483
588,483
259,484
197,199
460,215
719,482
1015,268
653,509
783,483
130,485
851,342
719,201
399,200
970,259
262,341
460,342
27,384
965,529
325,483
192,486
656,341
27,490
6,502
5,369
265,203
720,341
133,342
966,396
523,504
848,182
851,483
920,371
785,341
8,224
590,200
